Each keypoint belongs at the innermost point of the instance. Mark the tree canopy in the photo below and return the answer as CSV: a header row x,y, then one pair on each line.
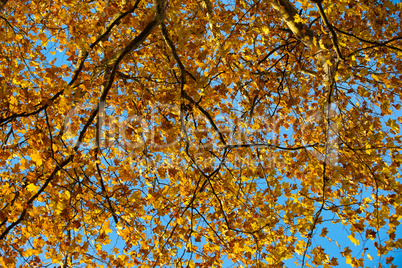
x,y
166,133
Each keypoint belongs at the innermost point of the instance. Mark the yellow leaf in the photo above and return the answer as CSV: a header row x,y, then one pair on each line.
x,y
265,29
32,187
35,156
354,240
60,207
13,101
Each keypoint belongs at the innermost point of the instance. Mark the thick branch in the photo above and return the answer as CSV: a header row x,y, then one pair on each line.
x,y
211,20
184,93
35,196
334,37
107,85
115,21
157,19
267,145
288,13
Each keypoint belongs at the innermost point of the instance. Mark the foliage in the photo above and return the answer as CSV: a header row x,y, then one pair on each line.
x,y
198,133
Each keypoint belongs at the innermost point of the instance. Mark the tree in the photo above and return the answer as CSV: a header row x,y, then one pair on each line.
x,y
192,133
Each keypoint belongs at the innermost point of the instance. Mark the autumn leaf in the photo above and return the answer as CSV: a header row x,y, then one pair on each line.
x,y
32,188
353,239
200,133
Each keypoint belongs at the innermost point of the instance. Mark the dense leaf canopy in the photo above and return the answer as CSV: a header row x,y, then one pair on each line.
x,y
200,133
